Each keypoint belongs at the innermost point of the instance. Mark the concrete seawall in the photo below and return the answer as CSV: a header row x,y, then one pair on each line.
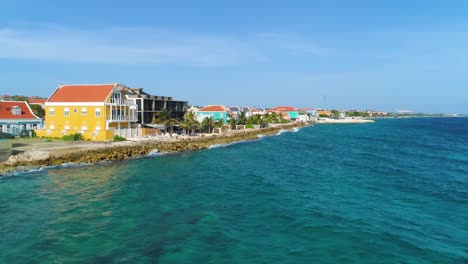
x,y
94,152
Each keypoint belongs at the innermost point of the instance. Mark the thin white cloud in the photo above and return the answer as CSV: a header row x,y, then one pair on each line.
x,y
123,46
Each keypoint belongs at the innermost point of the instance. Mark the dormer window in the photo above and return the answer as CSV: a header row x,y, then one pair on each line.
x,y
16,110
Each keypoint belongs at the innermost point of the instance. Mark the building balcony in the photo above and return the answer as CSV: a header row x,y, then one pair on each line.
x,y
115,102
122,118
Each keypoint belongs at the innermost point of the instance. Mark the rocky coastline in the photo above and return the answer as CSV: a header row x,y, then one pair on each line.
x,y
118,151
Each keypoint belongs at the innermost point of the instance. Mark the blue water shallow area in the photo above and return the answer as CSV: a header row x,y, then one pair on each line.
x,y
395,191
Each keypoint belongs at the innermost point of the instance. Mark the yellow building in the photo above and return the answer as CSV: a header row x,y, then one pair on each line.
x,y
97,111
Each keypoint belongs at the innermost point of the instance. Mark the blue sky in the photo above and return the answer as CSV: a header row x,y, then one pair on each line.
x,y
381,55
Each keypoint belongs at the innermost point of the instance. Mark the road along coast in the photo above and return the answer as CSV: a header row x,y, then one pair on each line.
x,y
49,154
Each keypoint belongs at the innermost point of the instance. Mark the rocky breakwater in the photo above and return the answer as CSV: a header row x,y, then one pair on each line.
x,y
117,151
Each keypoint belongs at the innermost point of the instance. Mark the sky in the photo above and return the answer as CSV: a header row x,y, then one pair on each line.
x,y
375,55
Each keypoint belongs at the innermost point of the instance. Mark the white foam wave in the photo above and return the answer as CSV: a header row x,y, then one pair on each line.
x,y
296,129
156,152
229,144
281,132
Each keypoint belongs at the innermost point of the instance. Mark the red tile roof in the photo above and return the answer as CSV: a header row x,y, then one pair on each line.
x,y
6,110
214,108
283,109
81,93
36,101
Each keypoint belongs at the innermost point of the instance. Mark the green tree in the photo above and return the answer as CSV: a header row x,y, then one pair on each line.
x,y
282,120
164,117
190,122
242,118
273,118
161,117
38,110
232,122
170,123
254,120
335,114
19,98
218,123
208,124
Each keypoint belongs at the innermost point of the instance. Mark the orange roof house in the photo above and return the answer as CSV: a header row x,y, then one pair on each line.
x,y
95,93
17,116
283,109
214,108
97,111
288,112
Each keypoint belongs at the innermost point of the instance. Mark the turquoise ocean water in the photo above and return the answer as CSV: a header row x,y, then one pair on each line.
x,y
395,191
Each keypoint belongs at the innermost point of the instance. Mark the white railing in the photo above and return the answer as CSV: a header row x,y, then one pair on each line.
x,y
128,132
120,102
122,118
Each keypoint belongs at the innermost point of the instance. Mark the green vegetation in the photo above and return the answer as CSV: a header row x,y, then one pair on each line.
x,y
37,109
118,138
357,114
190,123
218,123
19,98
335,114
73,137
257,120
165,117
208,124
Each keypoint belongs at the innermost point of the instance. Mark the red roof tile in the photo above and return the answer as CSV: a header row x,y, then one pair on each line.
x,y
283,109
6,110
36,101
213,108
81,93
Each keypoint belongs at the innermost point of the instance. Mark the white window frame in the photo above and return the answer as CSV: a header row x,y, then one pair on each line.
x,y
51,111
16,110
98,112
66,112
84,111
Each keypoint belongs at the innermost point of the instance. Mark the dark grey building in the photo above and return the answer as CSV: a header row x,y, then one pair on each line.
x,y
148,105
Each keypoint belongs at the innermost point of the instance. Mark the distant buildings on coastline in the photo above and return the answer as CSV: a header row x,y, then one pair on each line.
x,y
103,111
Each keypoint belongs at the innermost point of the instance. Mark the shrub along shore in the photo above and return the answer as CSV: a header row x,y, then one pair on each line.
x,y
117,151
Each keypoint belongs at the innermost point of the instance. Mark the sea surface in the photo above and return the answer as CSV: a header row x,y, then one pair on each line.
x,y
395,191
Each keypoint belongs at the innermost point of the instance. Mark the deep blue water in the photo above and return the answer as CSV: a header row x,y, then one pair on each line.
x,y
395,191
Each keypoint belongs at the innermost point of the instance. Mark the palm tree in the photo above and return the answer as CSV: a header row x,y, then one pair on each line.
x,y
263,122
161,117
232,122
242,118
170,123
208,123
219,123
191,122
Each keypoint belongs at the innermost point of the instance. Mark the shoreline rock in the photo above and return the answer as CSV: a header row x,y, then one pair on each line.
x,y
118,151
